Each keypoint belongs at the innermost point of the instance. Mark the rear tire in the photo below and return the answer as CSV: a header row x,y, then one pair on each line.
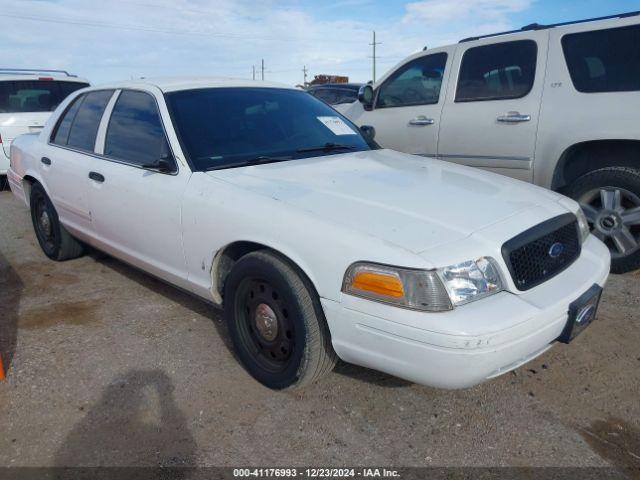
x,y
4,183
276,322
610,198
55,241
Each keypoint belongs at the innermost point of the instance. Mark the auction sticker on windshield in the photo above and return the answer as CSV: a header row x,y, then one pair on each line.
x,y
336,125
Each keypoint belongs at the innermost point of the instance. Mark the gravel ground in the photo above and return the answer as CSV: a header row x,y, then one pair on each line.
x,y
107,366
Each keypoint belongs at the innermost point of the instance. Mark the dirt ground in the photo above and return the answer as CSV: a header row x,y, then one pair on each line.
x,y
107,366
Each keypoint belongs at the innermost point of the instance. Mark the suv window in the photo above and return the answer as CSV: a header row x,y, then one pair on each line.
x,y
87,120
135,132
61,133
604,60
416,83
19,96
497,72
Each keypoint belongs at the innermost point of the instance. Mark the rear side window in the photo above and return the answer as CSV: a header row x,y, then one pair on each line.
x,y
19,96
135,132
86,122
61,134
604,60
497,72
416,83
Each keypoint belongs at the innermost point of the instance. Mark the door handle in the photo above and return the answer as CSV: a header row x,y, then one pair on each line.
x,y
96,177
513,117
46,160
421,121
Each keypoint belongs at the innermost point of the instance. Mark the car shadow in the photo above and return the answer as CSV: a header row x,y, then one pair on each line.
x,y
368,375
170,292
137,423
11,287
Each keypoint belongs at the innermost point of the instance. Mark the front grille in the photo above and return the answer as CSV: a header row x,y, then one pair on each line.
x,y
542,252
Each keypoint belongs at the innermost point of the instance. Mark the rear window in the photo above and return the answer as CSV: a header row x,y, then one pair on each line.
x,y
497,72
604,60
18,96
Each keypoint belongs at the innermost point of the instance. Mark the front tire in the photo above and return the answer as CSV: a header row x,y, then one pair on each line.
x,y
55,241
276,322
610,199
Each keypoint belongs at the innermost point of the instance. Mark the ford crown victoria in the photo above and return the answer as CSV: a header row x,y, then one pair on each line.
x,y
263,200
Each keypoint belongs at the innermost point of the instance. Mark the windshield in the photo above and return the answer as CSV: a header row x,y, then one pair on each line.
x,y
229,127
20,96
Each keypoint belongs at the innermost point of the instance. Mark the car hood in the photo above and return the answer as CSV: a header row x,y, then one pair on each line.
x,y
416,203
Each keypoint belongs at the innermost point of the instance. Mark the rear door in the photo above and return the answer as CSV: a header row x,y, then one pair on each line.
x,y
136,210
66,166
25,105
408,103
490,117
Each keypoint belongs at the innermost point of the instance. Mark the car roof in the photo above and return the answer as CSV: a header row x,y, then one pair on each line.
x,y
172,84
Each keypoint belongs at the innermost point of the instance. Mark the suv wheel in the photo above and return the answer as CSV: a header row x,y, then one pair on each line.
x,y
276,322
610,198
55,241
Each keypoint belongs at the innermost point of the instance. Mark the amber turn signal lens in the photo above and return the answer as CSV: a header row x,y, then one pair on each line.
x,y
379,283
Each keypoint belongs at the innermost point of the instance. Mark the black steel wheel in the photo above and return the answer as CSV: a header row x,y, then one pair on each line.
x,y
265,326
55,241
276,322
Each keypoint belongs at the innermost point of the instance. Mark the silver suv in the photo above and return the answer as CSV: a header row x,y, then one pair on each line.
x,y
556,105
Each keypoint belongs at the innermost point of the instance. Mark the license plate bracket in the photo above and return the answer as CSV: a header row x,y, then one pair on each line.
x,y
581,313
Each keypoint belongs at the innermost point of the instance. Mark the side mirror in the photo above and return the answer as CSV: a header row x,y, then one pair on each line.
x,y
365,96
164,164
369,135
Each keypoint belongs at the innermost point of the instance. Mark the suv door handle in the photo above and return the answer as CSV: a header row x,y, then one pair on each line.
x,y
513,117
46,160
421,121
97,177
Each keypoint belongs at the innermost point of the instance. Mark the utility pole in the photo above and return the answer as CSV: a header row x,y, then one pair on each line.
x,y
304,70
254,71
263,69
374,54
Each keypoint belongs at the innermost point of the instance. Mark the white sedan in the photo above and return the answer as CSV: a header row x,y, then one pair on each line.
x,y
265,201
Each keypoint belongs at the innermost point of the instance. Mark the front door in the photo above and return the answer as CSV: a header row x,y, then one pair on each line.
x,y
136,207
408,103
490,118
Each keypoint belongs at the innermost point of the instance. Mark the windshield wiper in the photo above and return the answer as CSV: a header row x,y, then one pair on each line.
x,y
260,160
327,147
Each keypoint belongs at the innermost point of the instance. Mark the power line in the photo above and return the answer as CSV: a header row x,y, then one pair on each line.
x,y
142,28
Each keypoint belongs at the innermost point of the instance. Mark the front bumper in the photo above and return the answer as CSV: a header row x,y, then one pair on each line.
x,y
470,344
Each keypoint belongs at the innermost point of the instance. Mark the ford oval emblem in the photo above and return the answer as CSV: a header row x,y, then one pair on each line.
x,y
586,315
556,250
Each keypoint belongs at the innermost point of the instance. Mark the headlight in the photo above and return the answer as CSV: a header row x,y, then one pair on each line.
x,y
426,290
403,287
583,225
471,280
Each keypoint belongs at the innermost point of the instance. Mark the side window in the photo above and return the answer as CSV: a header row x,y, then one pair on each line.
x,y
135,132
86,122
604,60
416,83
61,133
497,72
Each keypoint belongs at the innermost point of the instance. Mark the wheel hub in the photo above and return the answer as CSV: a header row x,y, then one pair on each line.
x,y
266,322
609,221
45,223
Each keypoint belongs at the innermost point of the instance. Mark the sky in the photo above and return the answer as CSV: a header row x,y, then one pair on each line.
x,y
122,39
